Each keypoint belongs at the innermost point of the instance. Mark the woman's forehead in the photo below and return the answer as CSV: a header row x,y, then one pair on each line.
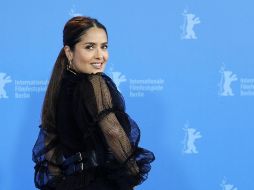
x,y
95,35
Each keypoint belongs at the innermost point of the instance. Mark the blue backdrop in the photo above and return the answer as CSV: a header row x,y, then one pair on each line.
x,y
184,67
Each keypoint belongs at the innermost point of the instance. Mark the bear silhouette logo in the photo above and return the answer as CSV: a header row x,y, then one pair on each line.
x,y
73,12
227,77
4,79
190,20
227,186
118,78
191,135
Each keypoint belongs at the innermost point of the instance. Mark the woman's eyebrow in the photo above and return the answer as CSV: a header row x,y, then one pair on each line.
x,y
95,43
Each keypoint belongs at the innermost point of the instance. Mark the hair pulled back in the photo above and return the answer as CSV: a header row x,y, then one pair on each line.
x,y
72,32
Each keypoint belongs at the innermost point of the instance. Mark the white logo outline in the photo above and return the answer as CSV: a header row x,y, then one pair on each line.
x,y
226,186
118,78
190,21
191,135
227,77
4,79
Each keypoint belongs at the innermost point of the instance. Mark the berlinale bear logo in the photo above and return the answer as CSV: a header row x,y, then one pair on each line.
x,y
227,186
190,20
227,77
4,79
191,135
118,78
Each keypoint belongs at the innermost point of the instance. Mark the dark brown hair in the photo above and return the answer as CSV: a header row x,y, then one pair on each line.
x,y
73,30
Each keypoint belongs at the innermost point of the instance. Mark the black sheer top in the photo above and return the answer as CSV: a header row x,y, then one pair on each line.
x,y
90,115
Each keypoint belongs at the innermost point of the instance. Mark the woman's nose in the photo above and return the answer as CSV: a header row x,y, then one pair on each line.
x,y
99,53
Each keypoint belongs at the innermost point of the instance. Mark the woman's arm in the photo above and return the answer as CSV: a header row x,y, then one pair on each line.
x,y
98,105
114,133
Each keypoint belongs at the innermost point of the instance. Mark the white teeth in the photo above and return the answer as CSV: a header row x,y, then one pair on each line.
x,y
96,65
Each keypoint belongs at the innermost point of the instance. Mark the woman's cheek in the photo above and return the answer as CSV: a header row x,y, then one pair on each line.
x,y
87,56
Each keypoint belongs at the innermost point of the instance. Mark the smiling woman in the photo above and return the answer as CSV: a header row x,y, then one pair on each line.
x,y
87,141
90,55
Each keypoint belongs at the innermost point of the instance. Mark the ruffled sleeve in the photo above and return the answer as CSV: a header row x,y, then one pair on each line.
x,y
48,157
126,162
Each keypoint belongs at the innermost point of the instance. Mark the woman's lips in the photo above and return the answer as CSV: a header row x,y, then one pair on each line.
x,y
97,65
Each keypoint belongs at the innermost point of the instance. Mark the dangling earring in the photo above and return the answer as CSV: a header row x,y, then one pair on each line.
x,y
69,67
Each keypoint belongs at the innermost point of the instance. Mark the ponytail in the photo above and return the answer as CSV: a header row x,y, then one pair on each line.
x,y
73,30
49,104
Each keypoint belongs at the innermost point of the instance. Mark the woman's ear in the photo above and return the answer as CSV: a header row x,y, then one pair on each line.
x,y
68,52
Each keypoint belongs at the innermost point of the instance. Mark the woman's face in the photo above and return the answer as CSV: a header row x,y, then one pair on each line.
x,y
90,55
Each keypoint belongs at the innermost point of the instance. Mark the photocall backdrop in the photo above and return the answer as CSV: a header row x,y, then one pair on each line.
x,y
184,67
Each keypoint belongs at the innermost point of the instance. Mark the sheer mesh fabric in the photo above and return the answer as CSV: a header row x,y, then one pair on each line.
x,y
48,157
114,133
130,164
96,105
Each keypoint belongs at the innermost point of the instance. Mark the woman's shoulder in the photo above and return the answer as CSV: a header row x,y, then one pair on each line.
x,y
83,84
86,89
72,74
72,77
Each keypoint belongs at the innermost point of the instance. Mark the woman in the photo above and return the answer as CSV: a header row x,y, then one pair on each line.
x,y
87,141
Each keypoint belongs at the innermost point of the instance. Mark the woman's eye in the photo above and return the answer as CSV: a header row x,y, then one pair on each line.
x,y
105,46
89,47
